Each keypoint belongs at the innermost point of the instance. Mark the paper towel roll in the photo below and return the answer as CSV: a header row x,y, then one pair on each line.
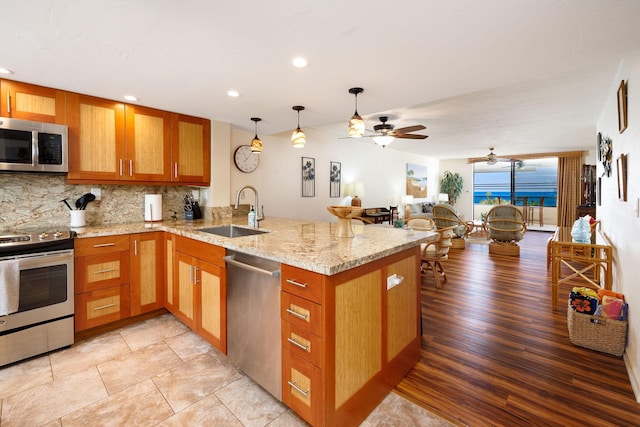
x,y
153,207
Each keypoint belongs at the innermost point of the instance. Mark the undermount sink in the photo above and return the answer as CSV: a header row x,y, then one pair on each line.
x,y
232,231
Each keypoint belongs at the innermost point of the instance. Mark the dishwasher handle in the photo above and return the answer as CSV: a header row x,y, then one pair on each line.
x,y
231,259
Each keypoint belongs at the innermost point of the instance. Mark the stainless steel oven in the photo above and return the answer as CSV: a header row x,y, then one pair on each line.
x,y
44,319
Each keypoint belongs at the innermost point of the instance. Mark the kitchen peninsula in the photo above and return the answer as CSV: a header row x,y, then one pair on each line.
x,y
349,307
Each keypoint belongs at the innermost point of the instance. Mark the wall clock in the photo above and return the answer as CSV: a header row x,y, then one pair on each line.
x,y
246,160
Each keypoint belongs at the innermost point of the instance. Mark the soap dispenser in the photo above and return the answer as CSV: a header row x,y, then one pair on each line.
x,y
252,217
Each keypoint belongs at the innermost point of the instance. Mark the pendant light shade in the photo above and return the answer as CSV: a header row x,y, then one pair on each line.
x,y
356,124
298,138
256,143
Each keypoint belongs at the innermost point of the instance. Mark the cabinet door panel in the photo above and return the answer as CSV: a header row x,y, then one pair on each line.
x,y
191,150
186,290
147,144
96,138
31,102
146,272
213,304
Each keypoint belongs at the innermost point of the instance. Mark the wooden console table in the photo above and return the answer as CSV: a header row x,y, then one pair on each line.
x,y
580,258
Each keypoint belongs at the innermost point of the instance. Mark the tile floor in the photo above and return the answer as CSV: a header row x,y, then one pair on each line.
x,y
156,372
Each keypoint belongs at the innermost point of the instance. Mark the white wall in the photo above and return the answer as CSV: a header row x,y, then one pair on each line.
x,y
278,177
464,204
620,220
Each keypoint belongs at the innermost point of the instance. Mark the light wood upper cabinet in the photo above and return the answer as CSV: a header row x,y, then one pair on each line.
x,y
111,141
191,150
31,102
147,266
96,138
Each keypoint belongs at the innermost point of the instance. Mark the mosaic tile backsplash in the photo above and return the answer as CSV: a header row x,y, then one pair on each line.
x,y
35,201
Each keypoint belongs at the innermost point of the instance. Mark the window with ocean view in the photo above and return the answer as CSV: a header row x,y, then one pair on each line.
x,y
531,183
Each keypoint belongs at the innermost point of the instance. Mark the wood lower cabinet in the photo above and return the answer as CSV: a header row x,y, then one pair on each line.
x,y
32,102
101,275
347,339
147,267
199,289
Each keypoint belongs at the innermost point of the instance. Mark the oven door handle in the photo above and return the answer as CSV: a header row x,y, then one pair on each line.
x,y
46,260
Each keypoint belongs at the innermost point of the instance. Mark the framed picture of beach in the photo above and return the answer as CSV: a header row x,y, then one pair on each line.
x,y
416,181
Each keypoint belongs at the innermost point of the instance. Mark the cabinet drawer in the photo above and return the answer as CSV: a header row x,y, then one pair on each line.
x,y
300,312
101,271
101,307
202,250
302,342
301,387
303,283
101,245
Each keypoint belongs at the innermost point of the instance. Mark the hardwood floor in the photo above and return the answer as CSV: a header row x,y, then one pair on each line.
x,y
495,353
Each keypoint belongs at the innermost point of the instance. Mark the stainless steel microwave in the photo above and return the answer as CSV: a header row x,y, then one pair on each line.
x,y
27,146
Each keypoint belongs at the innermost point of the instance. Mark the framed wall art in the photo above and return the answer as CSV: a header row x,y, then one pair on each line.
x,y
622,106
308,177
622,177
606,155
335,176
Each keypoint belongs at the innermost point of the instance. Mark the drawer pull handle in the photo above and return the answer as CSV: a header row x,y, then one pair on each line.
x,y
297,344
108,270
104,245
294,282
298,389
298,315
102,307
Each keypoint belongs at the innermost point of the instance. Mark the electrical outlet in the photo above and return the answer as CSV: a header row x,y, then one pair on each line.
x,y
97,192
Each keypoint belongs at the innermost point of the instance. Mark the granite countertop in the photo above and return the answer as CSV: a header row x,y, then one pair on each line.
x,y
310,245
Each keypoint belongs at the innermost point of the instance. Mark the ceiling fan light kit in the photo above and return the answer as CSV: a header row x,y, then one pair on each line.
x,y
256,143
298,138
356,123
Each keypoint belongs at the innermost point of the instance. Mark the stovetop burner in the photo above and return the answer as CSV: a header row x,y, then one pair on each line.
x,y
35,241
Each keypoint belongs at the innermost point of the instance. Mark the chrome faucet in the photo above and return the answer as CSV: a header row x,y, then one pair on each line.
x,y
259,216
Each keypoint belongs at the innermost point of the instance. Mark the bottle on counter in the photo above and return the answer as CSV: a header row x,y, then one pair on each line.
x,y
252,217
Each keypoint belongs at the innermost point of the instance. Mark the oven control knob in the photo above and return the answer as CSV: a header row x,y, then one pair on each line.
x,y
43,236
57,234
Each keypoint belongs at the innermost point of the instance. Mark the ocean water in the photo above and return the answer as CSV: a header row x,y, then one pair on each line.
x,y
550,197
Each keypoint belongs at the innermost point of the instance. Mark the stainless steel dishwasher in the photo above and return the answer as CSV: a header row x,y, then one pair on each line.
x,y
253,319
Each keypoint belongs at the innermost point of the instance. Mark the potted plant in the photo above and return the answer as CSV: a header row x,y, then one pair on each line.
x,y
451,183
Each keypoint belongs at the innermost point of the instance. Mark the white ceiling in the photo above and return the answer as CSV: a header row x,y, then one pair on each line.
x,y
520,75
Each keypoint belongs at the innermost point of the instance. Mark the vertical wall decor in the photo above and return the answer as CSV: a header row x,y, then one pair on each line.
x,y
622,177
308,177
622,106
606,155
335,176
416,180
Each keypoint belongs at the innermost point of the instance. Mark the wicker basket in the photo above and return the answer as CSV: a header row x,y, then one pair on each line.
x,y
597,333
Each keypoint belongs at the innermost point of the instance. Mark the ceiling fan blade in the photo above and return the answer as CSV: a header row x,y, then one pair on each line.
x,y
410,136
409,129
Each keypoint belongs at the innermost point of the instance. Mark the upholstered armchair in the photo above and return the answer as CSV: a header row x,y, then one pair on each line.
x,y
445,216
506,227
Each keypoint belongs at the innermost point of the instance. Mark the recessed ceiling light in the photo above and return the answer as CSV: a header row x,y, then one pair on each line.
x,y
233,93
299,62
130,98
5,71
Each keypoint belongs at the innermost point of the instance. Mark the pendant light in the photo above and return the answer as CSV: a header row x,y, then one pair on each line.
x,y
298,138
256,144
356,124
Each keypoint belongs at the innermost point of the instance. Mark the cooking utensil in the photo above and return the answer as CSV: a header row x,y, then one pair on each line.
x,y
67,203
82,202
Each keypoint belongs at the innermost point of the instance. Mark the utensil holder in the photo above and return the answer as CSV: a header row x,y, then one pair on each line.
x,y
77,218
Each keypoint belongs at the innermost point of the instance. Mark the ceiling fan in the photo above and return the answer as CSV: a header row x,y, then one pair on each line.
x,y
385,133
492,158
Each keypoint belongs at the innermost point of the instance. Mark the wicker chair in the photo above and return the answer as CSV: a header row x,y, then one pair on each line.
x,y
421,224
445,216
506,227
432,255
